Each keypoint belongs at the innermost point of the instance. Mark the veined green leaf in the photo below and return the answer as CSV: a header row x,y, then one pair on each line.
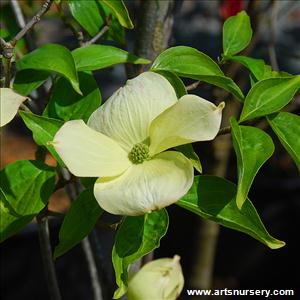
x,y
95,57
136,237
287,127
87,15
120,11
213,198
10,222
52,58
269,73
43,130
184,60
78,222
269,96
25,189
66,104
253,147
254,65
237,33
28,80
191,63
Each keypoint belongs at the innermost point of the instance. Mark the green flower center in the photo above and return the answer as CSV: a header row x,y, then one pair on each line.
x,y
139,153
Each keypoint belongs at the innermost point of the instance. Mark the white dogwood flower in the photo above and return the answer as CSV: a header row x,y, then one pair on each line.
x,y
125,140
160,279
10,102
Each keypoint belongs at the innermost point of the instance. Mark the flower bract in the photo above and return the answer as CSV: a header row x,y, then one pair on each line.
x,y
125,140
10,102
160,279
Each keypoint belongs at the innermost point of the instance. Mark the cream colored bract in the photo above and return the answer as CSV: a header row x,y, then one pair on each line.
x,y
124,140
160,279
10,102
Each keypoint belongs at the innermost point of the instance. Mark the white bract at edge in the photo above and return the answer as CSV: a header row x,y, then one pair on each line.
x,y
10,102
124,140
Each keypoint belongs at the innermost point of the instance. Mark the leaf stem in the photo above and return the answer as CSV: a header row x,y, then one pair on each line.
x,y
103,30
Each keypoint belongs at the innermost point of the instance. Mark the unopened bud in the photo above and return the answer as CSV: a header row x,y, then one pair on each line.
x,y
161,279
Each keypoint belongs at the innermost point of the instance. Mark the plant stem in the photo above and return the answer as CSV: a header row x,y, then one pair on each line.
x,y
22,23
154,27
73,190
193,86
36,18
103,30
6,69
86,246
272,42
46,252
224,130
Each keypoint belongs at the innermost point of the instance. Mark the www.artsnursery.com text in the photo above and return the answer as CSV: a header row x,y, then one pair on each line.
x,y
240,292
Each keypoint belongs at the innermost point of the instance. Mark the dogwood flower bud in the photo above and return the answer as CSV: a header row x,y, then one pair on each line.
x,y
161,279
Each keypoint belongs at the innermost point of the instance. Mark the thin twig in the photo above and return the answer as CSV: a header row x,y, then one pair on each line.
x,y
18,13
92,268
73,190
4,44
7,51
36,18
46,252
272,43
22,23
70,24
100,33
24,107
224,130
193,86
6,69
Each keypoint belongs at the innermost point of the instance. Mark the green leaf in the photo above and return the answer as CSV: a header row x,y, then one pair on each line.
x,y
188,151
136,237
43,130
26,188
189,62
119,9
66,104
254,65
213,198
78,222
237,33
184,60
52,58
253,147
269,96
95,57
287,128
87,15
88,182
175,81
115,31
28,80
